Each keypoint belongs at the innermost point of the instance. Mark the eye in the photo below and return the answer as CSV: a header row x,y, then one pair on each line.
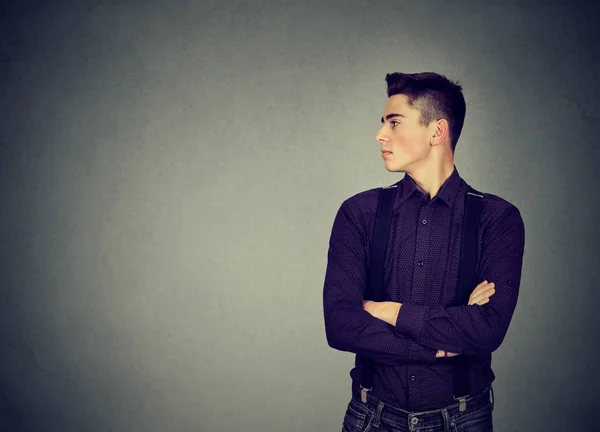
x,y
394,123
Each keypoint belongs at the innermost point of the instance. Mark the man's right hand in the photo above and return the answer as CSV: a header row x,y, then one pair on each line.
x,y
480,296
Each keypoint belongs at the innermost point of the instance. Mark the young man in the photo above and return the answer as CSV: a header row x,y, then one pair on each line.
x,y
411,336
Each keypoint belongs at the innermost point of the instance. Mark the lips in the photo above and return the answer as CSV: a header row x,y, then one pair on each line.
x,y
385,152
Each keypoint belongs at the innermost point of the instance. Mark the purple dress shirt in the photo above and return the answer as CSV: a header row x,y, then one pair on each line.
x,y
421,272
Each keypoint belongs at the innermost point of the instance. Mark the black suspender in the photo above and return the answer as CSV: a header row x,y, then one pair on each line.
x,y
466,285
375,290
466,279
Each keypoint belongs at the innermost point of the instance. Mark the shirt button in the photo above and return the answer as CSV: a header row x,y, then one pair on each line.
x,y
412,377
420,263
417,193
424,221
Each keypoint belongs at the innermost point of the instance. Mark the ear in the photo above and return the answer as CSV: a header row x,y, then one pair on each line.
x,y
440,131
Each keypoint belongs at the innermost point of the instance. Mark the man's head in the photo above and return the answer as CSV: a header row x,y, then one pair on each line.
x,y
424,112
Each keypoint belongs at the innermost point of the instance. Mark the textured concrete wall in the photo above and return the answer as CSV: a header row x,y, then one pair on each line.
x,y
169,175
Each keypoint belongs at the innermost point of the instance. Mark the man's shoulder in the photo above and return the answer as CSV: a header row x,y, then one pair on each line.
x,y
496,202
364,202
495,207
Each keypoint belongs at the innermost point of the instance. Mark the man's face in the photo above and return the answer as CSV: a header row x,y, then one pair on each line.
x,y
402,135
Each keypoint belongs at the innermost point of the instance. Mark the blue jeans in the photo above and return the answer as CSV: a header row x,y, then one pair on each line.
x,y
376,416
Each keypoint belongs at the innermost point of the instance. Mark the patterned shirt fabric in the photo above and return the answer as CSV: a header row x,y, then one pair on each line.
x,y
421,272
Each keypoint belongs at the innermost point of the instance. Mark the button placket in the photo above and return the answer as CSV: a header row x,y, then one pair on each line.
x,y
421,252
418,289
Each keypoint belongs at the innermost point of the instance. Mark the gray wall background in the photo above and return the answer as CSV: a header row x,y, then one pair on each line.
x,y
170,172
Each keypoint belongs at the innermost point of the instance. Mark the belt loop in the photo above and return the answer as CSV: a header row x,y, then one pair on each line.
x,y
446,417
377,418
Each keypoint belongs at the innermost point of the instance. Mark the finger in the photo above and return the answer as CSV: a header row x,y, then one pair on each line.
x,y
481,302
479,288
482,283
487,292
483,289
482,296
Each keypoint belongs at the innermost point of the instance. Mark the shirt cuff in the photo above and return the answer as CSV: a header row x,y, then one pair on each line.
x,y
410,320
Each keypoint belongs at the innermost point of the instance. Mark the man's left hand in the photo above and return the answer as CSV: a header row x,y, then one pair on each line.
x,y
386,311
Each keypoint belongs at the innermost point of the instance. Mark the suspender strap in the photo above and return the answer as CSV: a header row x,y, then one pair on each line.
x,y
375,288
466,283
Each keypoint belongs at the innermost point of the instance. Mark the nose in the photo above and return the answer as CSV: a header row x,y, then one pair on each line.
x,y
382,135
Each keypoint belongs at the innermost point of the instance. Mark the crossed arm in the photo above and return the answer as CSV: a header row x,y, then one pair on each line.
x,y
387,311
393,333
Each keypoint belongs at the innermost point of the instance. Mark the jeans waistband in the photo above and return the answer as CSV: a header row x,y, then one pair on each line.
x,y
473,402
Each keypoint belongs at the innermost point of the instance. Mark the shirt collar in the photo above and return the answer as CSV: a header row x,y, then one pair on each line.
x,y
447,191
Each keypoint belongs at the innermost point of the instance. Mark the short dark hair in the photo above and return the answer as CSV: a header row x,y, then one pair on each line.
x,y
434,95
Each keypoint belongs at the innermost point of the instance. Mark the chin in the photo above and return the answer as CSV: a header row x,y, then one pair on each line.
x,y
394,167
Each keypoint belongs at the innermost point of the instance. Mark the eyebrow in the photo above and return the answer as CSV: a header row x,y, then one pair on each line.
x,y
392,115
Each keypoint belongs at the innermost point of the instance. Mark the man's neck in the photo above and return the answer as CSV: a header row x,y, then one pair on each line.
x,y
429,179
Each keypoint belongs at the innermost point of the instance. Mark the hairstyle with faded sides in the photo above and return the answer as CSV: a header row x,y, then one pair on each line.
x,y
434,95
